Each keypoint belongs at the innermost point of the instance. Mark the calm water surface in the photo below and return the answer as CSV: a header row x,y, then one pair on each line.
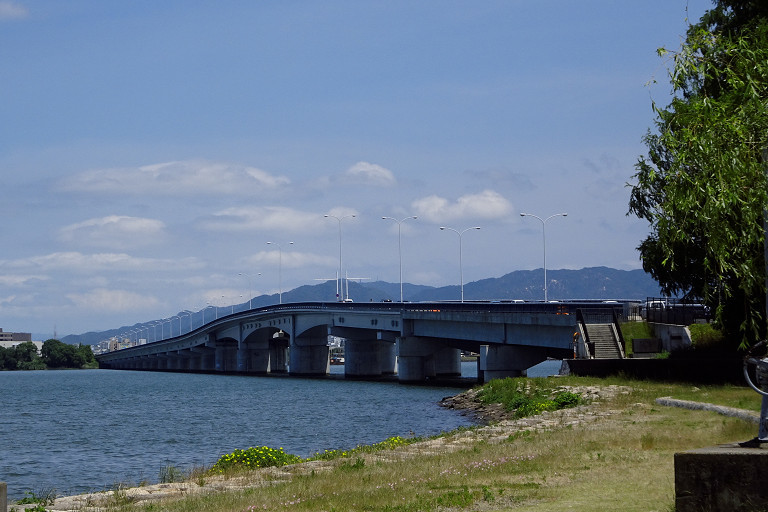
x,y
77,431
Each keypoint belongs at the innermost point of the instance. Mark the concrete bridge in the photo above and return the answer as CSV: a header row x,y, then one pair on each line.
x,y
416,341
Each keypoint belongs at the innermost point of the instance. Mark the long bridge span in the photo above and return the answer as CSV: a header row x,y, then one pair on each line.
x,y
415,341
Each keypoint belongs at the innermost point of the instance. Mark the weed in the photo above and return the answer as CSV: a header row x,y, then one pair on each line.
x,y
170,474
351,466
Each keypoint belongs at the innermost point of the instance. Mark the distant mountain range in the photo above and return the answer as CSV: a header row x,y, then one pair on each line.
x,y
587,283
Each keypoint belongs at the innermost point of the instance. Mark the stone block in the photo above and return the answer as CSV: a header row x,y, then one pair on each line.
x,y
722,478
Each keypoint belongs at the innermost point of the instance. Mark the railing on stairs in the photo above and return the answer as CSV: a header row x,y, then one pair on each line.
x,y
585,316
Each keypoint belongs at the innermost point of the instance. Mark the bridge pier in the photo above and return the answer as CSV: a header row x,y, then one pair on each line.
x,y
501,361
253,358
278,355
369,358
309,353
421,358
226,356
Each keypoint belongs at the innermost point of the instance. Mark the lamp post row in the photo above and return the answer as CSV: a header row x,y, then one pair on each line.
x,y
340,287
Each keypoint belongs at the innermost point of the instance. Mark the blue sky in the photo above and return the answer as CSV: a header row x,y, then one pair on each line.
x,y
150,150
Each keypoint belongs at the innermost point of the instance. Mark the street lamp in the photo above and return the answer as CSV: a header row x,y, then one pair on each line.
x,y
461,272
399,248
544,240
339,219
279,268
250,288
189,314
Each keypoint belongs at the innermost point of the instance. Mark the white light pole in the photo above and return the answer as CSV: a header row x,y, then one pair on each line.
x,y
461,271
544,240
339,219
279,268
189,314
250,288
399,248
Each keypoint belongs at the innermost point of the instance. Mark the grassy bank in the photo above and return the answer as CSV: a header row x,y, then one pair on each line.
x,y
618,457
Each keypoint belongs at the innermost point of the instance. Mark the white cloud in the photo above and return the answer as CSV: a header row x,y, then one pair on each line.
x,y
12,10
177,178
290,259
79,262
485,205
102,299
259,218
370,174
114,231
19,280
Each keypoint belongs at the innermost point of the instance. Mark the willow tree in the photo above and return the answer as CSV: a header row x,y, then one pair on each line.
x,y
702,186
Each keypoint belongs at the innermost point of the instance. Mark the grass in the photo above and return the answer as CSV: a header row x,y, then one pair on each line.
x,y
623,461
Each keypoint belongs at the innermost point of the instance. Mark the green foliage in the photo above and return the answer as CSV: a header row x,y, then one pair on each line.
x,y
21,357
170,474
527,397
55,354
388,444
42,499
702,186
705,336
254,458
632,330
62,355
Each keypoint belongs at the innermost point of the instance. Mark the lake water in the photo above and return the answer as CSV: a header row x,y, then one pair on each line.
x,y
77,431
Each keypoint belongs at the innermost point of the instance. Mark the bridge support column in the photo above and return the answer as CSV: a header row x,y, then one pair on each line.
x,y
278,355
253,358
421,358
448,362
226,357
368,358
501,361
309,353
388,354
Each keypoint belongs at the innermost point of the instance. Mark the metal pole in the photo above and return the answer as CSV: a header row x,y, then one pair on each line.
x,y
279,269
544,242
339,219
461,270
400,248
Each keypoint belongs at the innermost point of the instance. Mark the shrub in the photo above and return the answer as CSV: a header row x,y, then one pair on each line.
x,y
254,458
527,397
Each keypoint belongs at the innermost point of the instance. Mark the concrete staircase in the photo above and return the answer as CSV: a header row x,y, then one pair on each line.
x,y
606,346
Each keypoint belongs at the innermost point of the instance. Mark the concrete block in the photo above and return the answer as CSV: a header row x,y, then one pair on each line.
x,y
722,478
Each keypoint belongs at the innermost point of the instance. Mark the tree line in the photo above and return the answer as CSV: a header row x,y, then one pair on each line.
x,y
54,354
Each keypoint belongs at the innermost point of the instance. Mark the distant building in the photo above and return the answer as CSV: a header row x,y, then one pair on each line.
x,y
11,339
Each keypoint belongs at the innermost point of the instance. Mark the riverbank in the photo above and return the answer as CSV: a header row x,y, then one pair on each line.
x,y
614,453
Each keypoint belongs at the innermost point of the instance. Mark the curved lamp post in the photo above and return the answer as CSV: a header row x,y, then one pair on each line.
x,y
250,288
399,248
544,240
461,271
341,278
279,268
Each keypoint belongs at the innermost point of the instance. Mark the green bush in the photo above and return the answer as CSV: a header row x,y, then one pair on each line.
x,y
254,458
527,397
